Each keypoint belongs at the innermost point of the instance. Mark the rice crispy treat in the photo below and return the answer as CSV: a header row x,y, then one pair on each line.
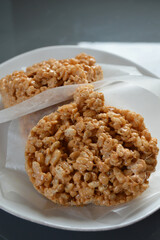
x,y
20,85
87,152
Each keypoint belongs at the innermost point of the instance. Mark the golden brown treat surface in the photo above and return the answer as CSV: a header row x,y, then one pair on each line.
x,y
87,152
20,85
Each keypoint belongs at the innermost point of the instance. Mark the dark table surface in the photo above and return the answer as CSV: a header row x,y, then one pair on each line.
x,y
26,25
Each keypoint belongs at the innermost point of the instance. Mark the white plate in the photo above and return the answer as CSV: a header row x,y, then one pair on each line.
x,y
59,220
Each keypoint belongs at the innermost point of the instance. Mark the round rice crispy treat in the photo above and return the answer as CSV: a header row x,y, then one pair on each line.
x,y
87,152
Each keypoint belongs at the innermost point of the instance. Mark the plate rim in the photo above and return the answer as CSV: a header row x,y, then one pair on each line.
x,y
131,63
75,229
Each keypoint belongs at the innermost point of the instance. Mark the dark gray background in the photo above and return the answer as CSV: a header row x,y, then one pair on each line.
x,y
26,25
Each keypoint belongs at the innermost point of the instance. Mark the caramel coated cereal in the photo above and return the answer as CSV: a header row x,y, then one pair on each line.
x,y
20,85
87,152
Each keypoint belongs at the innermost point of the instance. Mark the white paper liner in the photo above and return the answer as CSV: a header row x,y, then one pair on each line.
x,y
56,95
14,183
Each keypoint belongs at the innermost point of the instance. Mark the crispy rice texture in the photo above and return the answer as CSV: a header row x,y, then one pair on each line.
x,y
87,152
20,85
